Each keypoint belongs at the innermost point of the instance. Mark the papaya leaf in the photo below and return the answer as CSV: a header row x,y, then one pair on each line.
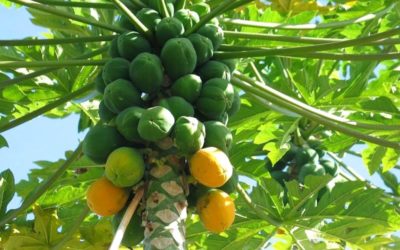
x,y
3,142
372,157
7,189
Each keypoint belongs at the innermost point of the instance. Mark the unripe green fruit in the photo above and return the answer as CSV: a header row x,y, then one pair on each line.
x,y
310,169
235,104
201,9
134,233
187,17
214,69
113,50
125,23
230,186
168,28
157,5
155,124
280,176
330,167
99,83
127,123
189,134
231,63
150,18
131,44
121,94
203,47
114,69
177,106
306,155
188,87
146,72
214,33
105,113
218,135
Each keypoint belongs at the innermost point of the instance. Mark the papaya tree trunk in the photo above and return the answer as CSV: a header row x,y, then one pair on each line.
x,y
166,205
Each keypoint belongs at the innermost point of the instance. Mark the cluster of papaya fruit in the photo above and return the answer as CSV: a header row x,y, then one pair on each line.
x,y
165,94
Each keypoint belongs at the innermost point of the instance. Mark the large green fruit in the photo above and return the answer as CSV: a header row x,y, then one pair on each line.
x,y
178,57
150,18
124,22
330,167
218,135
155,124
231,63
230,186
113,50
280,176
146,72
131,44
214,33
121,94
214,69
203,47
187,17
216,97
188,135
310,169
235,104
114,69
306,155
156,5
127,123
188,87
168,28
177,106
124,167
195,193
100,141
134,233
105,113
99,83
201,9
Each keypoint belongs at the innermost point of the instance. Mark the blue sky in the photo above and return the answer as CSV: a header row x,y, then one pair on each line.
x,y
48,139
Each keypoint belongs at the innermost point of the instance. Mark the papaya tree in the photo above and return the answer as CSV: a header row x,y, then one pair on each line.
x,y
210,124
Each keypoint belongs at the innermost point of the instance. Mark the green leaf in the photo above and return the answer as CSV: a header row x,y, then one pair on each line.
x,y
372,157
390,159
7,189
3,142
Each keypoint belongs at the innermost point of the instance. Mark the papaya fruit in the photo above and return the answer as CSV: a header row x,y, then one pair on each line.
x,y
156,5
230,186
235,104
306,155
280,176
188,135
187,17
121,94
124,22
214,69
178,57
105,113
218,135
330,167
310,169
231,63
168,28
155,124
177,106
134,233
124,167
131,44
214,33
203,47
211,167
215,98
188,87
196,191
216,210
149,17
114,69
100,141
146,72
105,199
127,123
99,83
113,50
201,9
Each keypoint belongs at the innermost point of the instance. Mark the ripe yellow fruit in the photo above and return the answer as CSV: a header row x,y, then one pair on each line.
x,y
216,210
211,167
105,199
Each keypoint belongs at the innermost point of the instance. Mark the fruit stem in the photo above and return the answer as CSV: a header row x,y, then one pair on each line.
x,y
164,9
46,108
260,213
66,14
32,42
41,189
308,26
141,28
21,78
95,5
119,234
64,63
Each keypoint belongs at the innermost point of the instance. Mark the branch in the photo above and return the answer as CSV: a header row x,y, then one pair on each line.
x,y
64,63
32,42
41,189
164,9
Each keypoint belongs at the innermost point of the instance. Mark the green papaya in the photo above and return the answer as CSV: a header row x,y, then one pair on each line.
x,y
188,87
113,50
149,17
218,135
121,94
146,72
306,155
177,106
134,233
280,176
195,192
127,123
203,47
99,83
231,63
155,124
168,28
310,169
125,23
156,5
201,9
214,69
330,167
214,33
115,68
235,104
187,17
131,44
230,186
188,135
100,141
105,113
178,57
